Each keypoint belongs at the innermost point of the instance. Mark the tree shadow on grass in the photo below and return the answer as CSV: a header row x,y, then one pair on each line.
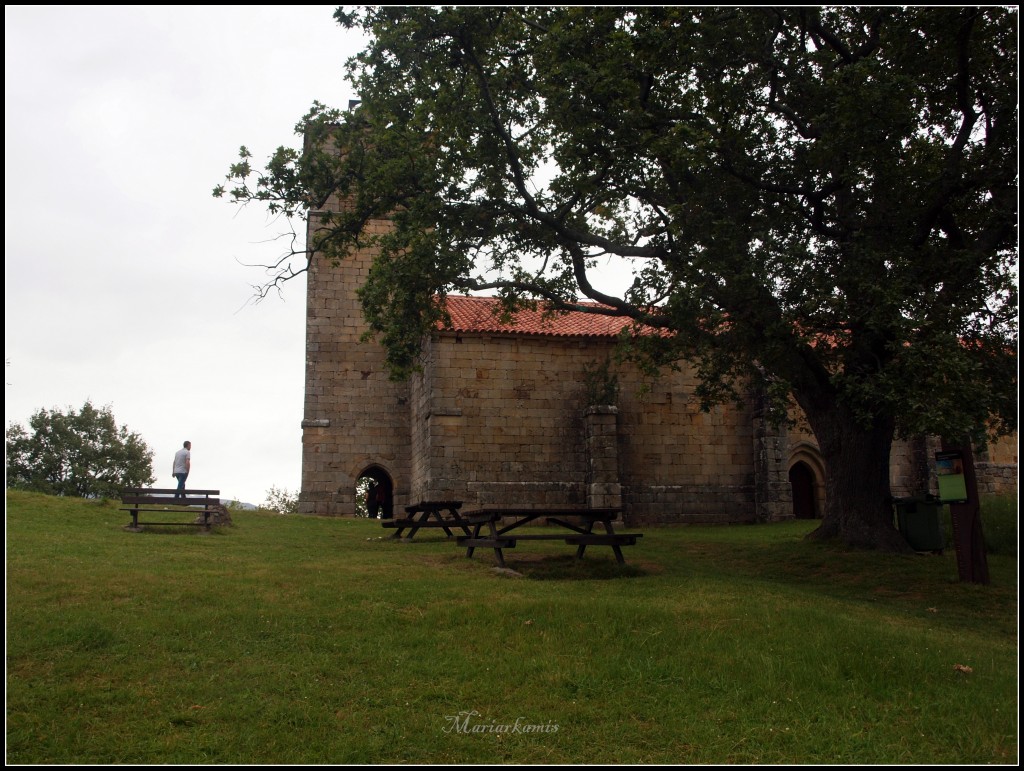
x,y
541,567
174,530
546,567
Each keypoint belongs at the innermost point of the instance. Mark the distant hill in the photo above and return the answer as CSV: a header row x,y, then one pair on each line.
x,y
239,504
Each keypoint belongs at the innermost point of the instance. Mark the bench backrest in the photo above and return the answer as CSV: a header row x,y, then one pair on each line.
x,y
166,491
143,495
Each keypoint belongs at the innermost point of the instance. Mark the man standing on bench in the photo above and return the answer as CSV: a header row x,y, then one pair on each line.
x,y
182,465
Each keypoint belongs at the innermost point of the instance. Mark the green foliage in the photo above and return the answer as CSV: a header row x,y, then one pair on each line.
x,y
81,453
817,201
281,500
600,383
362,490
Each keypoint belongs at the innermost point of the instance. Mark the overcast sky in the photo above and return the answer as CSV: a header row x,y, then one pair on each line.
x,y
125,281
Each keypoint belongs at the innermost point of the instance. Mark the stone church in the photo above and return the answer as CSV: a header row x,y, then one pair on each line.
x,y
509,414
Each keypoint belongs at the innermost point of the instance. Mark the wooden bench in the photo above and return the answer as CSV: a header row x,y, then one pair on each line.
x,y
445,515
164,501
502,537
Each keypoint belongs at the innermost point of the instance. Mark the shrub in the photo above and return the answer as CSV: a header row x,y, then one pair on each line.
x,y
282,500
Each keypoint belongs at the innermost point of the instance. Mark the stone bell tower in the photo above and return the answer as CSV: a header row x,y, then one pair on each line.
x,y
355,420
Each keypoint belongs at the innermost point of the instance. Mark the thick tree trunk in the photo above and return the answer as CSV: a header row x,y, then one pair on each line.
x,y
858,505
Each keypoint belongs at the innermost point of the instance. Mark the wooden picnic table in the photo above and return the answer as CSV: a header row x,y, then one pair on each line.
x,y
502,522
428,514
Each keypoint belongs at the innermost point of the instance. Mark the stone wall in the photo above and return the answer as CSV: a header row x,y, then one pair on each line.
x,y
354,416
995,466
773,499
996,478
680,464
504,420
499,420
602,428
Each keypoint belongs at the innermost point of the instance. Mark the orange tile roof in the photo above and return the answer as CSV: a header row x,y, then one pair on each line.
x,y
479,314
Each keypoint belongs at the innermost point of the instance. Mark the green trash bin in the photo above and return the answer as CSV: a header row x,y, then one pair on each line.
x,y
918,522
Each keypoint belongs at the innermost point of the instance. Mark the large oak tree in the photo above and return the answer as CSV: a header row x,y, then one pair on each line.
x,y
821,202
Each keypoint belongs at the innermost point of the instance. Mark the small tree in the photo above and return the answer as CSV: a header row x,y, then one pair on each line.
x,y
282,500
81,453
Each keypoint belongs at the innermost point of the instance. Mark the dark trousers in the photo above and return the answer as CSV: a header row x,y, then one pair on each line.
x,y
180,492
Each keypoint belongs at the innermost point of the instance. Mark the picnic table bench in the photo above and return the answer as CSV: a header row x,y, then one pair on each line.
x,y
165,501
500,533
428,514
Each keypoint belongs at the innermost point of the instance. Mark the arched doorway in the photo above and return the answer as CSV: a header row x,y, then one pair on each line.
x,y
375,494
803,483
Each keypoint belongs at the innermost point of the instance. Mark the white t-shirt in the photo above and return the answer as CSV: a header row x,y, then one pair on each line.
x,y
181,461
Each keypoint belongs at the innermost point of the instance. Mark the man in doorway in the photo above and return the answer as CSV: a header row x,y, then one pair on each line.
x,y
384,499
182,465
373,500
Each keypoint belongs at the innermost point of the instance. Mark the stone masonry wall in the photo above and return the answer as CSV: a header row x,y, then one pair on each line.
x,y
354,416
680,464
996,467
500,420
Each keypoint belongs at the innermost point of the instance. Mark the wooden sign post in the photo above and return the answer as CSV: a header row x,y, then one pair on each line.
x,y
958,486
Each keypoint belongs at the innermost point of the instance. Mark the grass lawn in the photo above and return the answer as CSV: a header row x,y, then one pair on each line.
x,y
305,640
